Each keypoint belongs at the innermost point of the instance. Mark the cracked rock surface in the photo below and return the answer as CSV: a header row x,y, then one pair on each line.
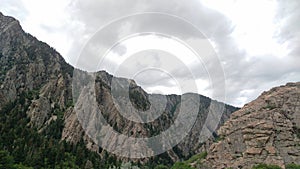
x,y
267,130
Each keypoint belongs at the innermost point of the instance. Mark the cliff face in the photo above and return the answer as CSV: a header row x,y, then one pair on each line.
x,y
140,99
35,75
267,130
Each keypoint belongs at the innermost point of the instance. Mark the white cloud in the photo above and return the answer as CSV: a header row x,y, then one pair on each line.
x,y
47,20
256,40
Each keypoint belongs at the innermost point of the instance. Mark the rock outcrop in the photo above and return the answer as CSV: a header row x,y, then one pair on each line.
x,y
267,130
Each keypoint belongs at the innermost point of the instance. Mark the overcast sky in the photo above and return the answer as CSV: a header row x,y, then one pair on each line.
x,y
243,47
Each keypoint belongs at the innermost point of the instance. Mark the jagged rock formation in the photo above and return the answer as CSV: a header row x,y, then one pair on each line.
x,y
33,73
267,130
189,146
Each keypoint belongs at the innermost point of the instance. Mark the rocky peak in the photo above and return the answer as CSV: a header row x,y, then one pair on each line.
x,y
6,20
267,130
29,65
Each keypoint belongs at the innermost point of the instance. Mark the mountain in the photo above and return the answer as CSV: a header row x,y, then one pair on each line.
x,y
265,131
42,127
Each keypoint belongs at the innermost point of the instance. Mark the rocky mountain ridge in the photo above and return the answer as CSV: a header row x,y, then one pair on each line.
x,y
36,80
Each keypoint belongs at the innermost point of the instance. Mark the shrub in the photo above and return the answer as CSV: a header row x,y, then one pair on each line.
x,y
161,167
197,157
181,165
293,166
266,166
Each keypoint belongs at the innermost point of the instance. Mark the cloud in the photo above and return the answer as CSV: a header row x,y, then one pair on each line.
x,y
257,47
14,8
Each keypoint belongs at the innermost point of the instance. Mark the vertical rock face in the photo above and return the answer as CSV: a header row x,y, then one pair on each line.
x,y
267,130
33,70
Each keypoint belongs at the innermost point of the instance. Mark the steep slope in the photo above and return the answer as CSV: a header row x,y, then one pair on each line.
x,y
39,125
27,65
267,130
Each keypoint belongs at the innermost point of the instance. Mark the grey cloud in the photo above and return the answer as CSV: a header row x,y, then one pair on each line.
x,y
214,25
120,49
14,8
96,14
288,20
256,74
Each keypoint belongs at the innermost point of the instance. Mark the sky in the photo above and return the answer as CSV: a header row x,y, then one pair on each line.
x,y
229,50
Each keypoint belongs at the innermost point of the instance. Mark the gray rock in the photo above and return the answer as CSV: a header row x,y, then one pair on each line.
x,y
264,131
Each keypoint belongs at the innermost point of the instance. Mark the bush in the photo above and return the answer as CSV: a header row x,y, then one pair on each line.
x,y
197,157
181,165
266,166
161,167
293,166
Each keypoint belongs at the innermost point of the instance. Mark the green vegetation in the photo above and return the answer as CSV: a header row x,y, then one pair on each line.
x,y
161,167
162,159
196,160
22,145
266,166
181,165
8,162
197,157
292,166
270,106
218,138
